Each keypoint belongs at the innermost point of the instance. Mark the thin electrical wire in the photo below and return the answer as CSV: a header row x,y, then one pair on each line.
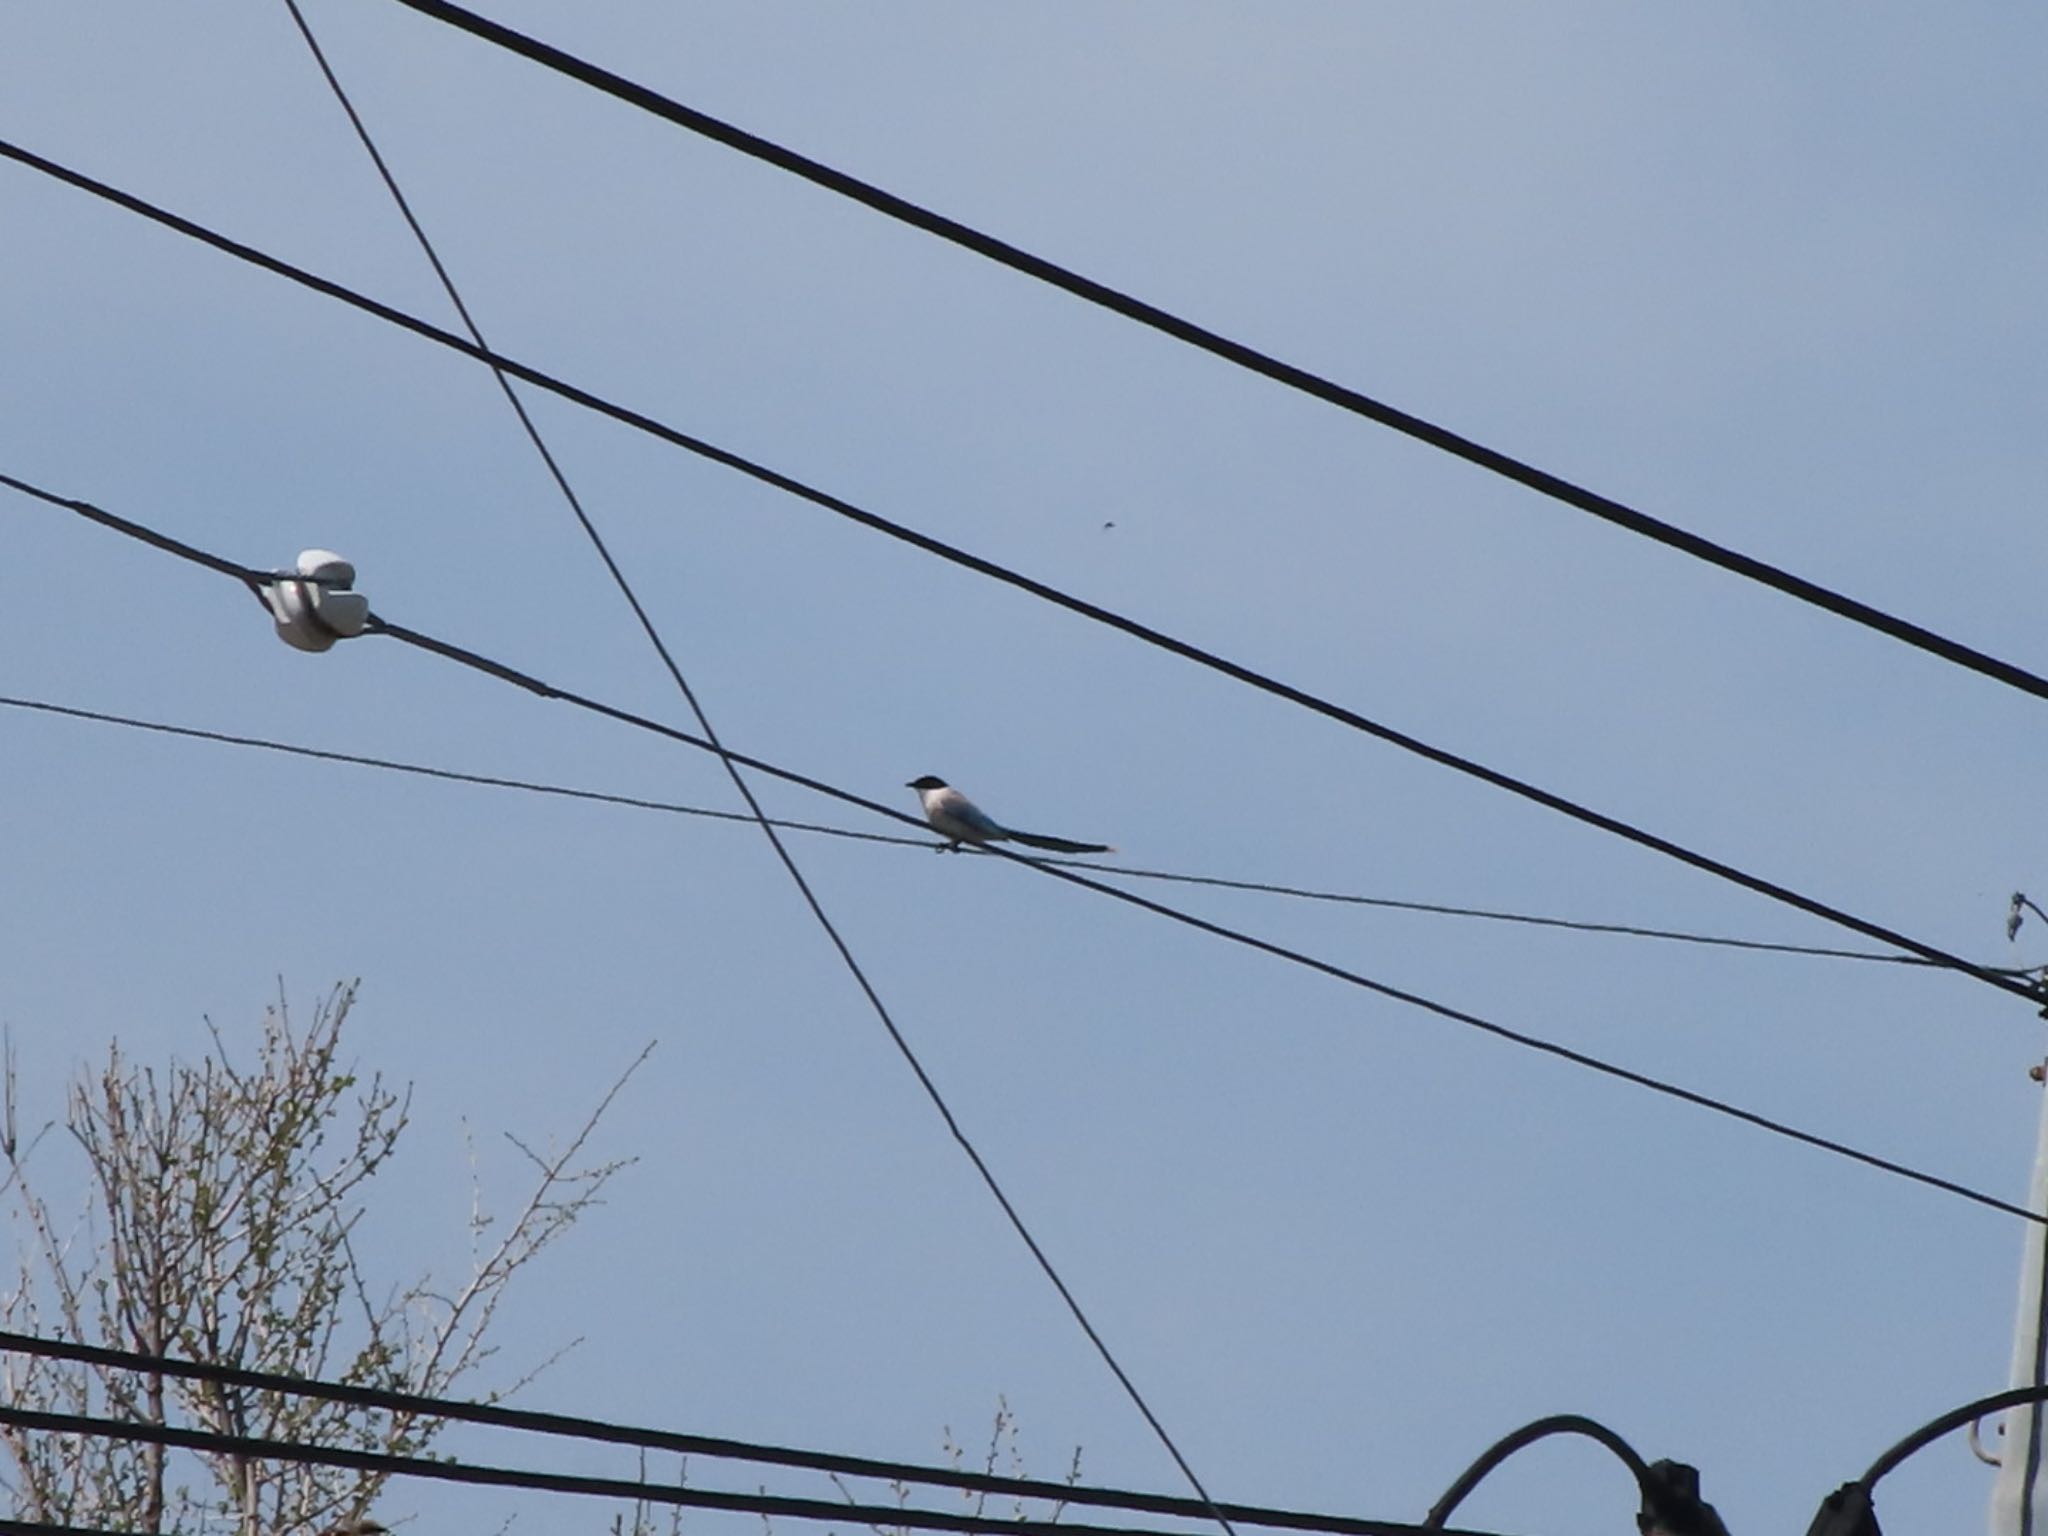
x,y
1328,390
422,770
1158,638
563,1426
760,816
1126,871
1528,919
505,673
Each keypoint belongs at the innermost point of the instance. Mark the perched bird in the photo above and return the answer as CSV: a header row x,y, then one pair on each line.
x,y
959,820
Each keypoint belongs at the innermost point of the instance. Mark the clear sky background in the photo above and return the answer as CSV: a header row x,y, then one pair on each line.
x,y
1774,274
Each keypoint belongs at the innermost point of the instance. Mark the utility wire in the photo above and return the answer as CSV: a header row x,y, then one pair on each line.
x,y
782,853
1018,260
493,781
509,674
1849,1510
1527,1435
562,1426
248,576
1948,1423
387,1464
1125,871
958,556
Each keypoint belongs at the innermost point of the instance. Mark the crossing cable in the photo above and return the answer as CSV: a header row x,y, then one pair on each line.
x,y
1131,308
564,1426
509,674
1158,638
1126,871
782,853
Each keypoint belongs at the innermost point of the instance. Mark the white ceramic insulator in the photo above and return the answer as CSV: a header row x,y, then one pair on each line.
x,y
312,614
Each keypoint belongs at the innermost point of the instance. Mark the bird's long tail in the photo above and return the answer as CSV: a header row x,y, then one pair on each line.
x,y
1055,844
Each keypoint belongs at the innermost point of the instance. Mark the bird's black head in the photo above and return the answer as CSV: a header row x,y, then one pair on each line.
x,y
929,781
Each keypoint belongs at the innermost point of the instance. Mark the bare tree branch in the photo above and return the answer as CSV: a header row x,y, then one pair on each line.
x,y
225,1199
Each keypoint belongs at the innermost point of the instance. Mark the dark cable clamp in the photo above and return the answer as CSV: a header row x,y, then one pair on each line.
x,y
1672,1505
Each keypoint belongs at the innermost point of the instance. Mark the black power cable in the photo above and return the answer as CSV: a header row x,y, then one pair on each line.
x,y
1237,352
1527,1435
563,1426
1851,1509
1669,1490
1948,1424
247,575
957,556
438,1469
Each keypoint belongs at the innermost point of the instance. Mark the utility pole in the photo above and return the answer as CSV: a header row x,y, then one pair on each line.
x,y
2019,1499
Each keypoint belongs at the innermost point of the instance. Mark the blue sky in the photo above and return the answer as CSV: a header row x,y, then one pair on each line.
x,y
1773,276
